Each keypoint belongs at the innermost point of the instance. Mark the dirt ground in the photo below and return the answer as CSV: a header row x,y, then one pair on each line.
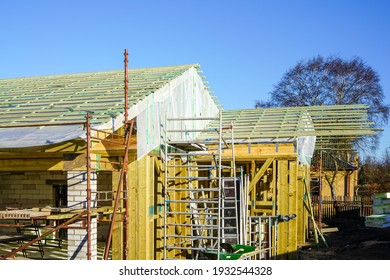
x,y
349,241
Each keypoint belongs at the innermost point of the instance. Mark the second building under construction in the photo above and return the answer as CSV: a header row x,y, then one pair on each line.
x,y
149,165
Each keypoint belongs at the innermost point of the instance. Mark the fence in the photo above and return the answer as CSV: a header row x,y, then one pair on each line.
x,y
343,207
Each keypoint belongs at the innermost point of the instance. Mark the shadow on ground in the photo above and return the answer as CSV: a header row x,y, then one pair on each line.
x,y
349,240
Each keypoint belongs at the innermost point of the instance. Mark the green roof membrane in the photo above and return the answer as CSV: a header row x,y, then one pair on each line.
x,y
63,98
30,107
254,125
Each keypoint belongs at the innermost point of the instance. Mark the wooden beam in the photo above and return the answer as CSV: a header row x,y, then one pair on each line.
x,y
259,150
292,209
32,164
282,208
260,173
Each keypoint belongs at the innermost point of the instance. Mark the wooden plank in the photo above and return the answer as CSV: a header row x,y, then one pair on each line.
x,y
142,242
52,164
301,236
259,174
150,208
292,209
261,150
264,203
282,207
133,206
141,212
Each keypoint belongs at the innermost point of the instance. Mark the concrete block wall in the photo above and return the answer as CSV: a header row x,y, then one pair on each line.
x,y
104,183
28,189
77,198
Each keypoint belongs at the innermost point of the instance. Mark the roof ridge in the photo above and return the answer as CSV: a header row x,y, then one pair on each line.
x,y
103,71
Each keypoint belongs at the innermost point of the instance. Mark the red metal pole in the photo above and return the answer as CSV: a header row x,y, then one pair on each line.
x,y
88,131
63,225
125,162
118,193
126,87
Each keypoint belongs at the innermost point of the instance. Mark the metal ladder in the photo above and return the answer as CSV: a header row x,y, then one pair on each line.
x,y
200,204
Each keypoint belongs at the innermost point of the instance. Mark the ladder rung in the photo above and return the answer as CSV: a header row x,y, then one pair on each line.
x,y
194,190
191,214
192,166
191,201
195,227
193,178
184,248
207,209
204,153
227,228
191,237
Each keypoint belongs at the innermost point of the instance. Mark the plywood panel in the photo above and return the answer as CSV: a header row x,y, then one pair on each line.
x,y
141,212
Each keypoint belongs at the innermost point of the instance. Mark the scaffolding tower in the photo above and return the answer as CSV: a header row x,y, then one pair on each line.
x,y
200,194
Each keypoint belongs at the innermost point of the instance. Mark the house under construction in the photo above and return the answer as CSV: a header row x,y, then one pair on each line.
x,y
145,162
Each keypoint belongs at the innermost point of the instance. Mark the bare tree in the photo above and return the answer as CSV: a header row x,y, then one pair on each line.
x,y
332,81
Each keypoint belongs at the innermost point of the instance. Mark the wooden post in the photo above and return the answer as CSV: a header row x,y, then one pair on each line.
x,y
292,209
282,207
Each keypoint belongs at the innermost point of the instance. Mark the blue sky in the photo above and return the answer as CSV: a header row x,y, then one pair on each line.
x,y
243,47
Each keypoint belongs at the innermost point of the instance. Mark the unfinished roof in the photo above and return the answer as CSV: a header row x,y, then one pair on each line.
x,y
67,98
153,93
258,125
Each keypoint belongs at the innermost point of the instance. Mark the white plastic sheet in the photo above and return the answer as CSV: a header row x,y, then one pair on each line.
x,y
184,96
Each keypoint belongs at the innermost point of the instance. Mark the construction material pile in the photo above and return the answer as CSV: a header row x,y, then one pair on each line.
x,y
30,213
381,211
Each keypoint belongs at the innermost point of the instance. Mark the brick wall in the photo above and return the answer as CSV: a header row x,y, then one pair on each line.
x,y
104,183
28,189
77,195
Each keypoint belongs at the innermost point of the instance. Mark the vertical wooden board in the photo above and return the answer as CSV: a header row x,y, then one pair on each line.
x,y
252,195
142,209
282,207
117,241
293,207
150,209
301,236
274,187
133,208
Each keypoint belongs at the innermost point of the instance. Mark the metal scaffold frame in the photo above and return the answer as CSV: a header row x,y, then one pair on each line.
x,y
92,134
197,197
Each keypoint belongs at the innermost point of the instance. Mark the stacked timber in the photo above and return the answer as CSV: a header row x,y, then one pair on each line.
x,y
21,214
381,211
31,213
381,203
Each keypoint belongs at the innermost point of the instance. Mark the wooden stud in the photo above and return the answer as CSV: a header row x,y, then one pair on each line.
x,y
292,209
282,207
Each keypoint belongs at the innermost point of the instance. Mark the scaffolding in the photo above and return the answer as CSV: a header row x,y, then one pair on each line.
x,y
200,195
93,163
